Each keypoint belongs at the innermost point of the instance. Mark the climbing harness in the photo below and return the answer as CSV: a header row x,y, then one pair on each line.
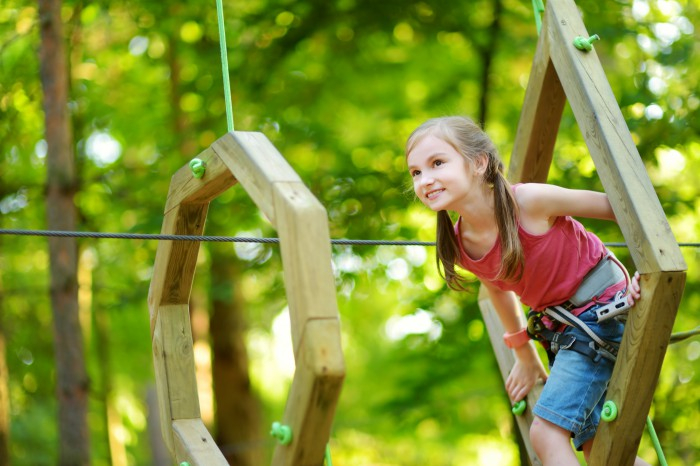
x,y
606,273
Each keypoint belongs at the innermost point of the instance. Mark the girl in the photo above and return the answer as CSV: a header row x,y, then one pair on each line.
x,y
522,242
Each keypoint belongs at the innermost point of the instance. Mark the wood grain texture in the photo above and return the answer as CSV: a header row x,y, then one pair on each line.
x,y
624,177
313,398
186,189
257,165
302,225
636,372
194,444
506,360
539,119
176,261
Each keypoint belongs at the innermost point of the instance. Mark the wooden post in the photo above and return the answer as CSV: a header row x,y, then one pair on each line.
x,y
506,360
301,221
559,65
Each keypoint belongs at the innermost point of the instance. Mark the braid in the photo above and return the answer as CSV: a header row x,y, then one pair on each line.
x,y
448,252
512,257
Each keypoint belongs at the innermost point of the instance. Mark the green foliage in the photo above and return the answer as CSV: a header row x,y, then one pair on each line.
x,y
337,86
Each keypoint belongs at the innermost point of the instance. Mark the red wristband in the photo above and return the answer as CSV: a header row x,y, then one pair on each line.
x,y
516,339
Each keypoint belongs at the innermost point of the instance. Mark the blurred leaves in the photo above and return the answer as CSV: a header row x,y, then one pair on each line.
x,y
337,86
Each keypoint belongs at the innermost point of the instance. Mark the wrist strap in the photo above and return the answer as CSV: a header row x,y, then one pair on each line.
x,y
516,339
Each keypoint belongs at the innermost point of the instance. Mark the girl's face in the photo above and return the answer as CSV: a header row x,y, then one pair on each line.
x,y
442,177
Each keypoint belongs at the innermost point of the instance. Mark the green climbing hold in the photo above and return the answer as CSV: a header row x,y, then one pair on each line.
x,y
609,412
198,167
282,433
519,407
184,463
584,44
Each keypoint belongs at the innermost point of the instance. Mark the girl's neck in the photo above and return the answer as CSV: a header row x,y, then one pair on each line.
x,y
478,214
478,229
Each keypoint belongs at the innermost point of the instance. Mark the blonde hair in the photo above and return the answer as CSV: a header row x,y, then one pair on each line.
x,y
467,138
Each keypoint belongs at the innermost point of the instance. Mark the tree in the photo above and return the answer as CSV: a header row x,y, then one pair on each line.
x,y
71,376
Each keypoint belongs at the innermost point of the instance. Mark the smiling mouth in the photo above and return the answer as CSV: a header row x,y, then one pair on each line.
x,y
433,194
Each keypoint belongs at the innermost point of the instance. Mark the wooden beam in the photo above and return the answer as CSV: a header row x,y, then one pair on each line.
x,y
302,225
176,353
506,360
173,361
257,165
186,189
637,208
194,444
539,118
161,376
176,261
637,369
314,394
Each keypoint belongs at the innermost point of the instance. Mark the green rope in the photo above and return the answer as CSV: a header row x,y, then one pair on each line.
x,y
224,65
538,8
328,455
657,444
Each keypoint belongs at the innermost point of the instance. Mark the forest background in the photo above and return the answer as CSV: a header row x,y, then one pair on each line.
x,y
337,86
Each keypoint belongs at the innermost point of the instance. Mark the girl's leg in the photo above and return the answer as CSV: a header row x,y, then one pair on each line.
x,y
587,451
552,444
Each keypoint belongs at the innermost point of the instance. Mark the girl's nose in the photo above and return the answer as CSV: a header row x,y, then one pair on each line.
x,y
426,179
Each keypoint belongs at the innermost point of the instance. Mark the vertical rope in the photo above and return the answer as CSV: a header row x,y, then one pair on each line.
x,y
656,443
538,8
224,64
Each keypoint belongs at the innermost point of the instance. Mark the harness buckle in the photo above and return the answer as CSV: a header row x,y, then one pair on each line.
x,y
561,341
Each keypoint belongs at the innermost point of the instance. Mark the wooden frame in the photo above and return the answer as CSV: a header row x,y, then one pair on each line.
x,y
301,222
560,71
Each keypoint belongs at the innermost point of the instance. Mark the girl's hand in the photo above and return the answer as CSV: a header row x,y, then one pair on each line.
x,y
635,291
526,372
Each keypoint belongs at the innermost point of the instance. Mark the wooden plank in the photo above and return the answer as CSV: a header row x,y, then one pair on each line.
x,y
539,118
173,272
175,350
314,394
194,444
186,189
257,164
506,360
637,208
638,366
162,395
302,225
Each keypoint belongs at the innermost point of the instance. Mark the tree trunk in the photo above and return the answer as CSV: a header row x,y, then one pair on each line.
x,y
71,377
488,52
237,409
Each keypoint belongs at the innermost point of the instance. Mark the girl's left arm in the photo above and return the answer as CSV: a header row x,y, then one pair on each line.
x,y
551,201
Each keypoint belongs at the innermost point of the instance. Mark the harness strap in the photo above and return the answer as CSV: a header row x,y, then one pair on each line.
x,y
560,340
566,317
565,341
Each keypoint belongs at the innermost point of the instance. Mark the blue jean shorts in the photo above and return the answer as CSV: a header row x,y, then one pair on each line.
x,y
574,393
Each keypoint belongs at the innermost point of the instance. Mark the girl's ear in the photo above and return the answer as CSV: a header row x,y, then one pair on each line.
x,y
482,164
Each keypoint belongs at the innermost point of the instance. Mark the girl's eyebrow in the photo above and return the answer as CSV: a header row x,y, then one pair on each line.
x,y
430,158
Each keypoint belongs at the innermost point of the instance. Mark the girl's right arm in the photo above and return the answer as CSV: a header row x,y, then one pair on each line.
x,y
528,367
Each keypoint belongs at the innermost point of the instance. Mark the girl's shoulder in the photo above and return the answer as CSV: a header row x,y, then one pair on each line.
x,y
529,195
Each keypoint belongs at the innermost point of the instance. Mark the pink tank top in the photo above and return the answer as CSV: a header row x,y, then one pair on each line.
x,y
555,262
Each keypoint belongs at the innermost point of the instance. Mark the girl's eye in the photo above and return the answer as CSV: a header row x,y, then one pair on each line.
x,y
415,173
437,163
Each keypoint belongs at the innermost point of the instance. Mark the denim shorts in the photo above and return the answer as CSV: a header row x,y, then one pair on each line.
x,y
573,396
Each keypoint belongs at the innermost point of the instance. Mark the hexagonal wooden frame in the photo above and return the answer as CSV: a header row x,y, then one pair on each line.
x,y
302,225
561,71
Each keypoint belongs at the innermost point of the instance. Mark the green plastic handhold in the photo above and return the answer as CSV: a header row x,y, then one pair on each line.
x,y
198,167
184,463
519,407
584,44
609,412
282,433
